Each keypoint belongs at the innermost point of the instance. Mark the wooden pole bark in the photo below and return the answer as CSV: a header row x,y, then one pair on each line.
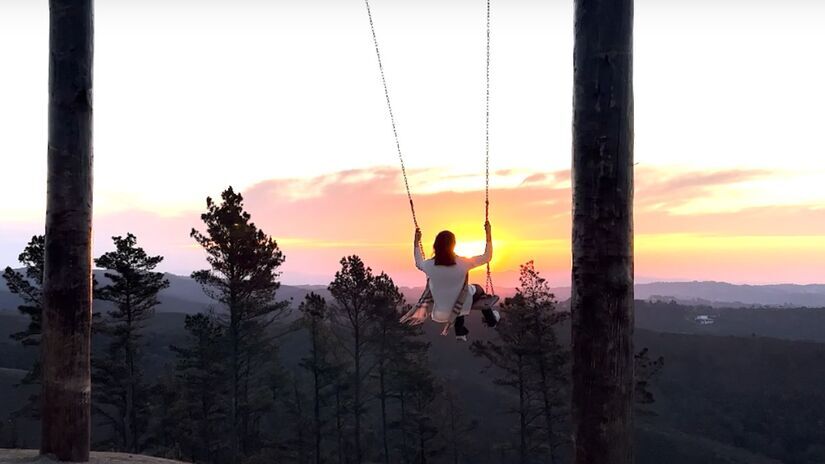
x,y
67,283
602,297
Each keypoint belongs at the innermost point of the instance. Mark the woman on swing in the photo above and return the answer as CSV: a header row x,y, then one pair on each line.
x,y
448,296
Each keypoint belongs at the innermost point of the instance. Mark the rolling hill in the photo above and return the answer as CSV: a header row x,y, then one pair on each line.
x,y
185,295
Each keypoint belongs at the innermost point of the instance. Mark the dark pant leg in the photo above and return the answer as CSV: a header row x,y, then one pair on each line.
x,y
459,327
486,314
479,294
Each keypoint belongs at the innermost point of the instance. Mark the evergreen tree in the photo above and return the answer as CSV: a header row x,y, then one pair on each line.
x,y
201,410
320,365
384,334
340,392
395,347
534,363
549,359
170,428
298,448
243,278
511,355
455,425
353,289
417,394
646,370
28,287
121,393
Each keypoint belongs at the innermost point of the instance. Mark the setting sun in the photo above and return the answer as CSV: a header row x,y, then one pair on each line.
x,y
469,249
536,232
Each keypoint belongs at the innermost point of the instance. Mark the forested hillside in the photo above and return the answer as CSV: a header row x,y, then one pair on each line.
x,y
230,366
718,398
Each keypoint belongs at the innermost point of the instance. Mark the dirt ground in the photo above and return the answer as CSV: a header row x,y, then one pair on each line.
x,y
31,457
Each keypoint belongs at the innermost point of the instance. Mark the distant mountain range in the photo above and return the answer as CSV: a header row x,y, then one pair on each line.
x,y
725,294
186,296
716,375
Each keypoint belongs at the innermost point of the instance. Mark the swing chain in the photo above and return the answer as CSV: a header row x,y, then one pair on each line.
x,y
489,282
488,285
487,127
392,116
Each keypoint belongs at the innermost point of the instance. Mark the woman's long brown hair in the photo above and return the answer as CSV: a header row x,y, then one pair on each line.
x,y
444,248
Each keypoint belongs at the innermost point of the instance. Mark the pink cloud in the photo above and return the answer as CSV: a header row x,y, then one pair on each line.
x,y
534,178
366,212
656,187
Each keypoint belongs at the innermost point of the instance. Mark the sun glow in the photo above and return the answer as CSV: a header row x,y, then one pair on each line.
x,y
469,249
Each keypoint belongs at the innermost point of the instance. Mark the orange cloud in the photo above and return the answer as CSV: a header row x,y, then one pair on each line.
x,y
366,212
372,218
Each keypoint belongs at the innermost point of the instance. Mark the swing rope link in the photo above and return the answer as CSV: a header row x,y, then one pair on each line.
x,y
489,282
392,116
488,285
487,127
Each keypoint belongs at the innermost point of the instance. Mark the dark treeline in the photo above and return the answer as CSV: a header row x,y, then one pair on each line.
x,y
252,379
363,390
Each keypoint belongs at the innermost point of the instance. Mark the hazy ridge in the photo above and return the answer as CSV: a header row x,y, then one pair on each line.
x,y
184,295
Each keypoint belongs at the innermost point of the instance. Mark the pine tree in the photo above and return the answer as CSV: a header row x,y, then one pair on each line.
x,y
341,390
121,393
386,335
28,287
646,370
510,356
400,356
202,410
320,365
353,289
533,363
298,448
243,278
417,399
170,428
550,361
454,424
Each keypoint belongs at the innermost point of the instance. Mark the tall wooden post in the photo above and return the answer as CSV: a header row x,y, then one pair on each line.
x,y
67,283
602,299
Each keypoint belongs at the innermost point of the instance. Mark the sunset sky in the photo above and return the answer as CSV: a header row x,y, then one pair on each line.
x,y
282,100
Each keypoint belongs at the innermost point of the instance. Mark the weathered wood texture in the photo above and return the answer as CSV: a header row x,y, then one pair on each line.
x,y
67,285
602,295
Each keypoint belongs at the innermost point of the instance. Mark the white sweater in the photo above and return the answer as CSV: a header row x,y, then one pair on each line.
x,y
446,282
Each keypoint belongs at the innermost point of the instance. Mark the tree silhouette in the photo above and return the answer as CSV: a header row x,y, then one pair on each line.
x,y
320,364
397,348
121,393
201,379
353,291
454,423
529,359
28,287
647,370
549,360
243,278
